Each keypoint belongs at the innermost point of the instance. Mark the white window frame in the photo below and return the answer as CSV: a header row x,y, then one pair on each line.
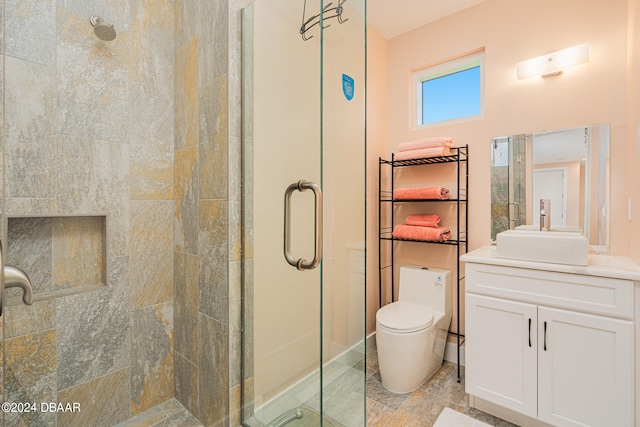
x,y
452,66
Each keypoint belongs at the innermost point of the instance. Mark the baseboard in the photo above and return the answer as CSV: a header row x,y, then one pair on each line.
x,y
371,343
451,353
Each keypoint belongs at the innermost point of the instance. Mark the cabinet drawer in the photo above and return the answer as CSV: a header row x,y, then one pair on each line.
x,y
590,294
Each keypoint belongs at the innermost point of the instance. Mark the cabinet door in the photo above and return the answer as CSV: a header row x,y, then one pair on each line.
x,y
585,368
500,352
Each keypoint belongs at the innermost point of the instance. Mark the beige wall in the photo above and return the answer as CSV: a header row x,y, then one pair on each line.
x,y
377,112
593,93
343,152
633,129
514,106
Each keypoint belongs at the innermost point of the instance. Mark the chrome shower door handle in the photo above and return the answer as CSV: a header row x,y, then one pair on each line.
x,y
14,277
301,263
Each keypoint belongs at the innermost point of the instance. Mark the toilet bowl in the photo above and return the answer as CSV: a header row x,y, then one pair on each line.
x,y
411,333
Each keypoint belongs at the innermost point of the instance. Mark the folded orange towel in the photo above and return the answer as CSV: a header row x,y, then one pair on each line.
x,y
423,220
437,142
427,234
422,153
419,193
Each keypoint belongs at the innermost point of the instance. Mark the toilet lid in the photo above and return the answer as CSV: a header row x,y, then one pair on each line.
x,y
405,316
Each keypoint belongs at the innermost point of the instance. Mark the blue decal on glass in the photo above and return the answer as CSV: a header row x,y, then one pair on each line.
x,y
347,86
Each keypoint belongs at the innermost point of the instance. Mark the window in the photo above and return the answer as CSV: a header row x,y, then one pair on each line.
x,y
450,91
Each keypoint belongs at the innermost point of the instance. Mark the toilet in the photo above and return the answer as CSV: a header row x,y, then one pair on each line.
x,y
411,333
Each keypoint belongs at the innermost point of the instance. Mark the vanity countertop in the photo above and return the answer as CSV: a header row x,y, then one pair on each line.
x,y
616,267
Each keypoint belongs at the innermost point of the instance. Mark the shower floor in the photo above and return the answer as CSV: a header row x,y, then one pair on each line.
x,y
167,414
343,400
343,396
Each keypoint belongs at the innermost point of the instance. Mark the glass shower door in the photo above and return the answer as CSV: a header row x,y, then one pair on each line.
x,y
304,220
286,149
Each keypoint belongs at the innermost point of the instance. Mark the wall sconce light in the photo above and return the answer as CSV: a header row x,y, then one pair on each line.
x,y
553,64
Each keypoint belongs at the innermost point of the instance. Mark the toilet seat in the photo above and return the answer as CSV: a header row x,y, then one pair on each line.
x,y
404,317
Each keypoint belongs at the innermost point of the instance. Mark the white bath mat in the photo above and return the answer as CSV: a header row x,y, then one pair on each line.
x,y
451,418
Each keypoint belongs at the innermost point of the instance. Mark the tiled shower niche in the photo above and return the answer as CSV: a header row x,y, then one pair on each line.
x,y
62,255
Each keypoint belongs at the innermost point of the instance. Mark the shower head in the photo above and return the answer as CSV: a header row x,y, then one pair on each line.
x,y
103,30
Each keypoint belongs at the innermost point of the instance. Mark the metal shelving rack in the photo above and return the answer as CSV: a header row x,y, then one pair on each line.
x,y
459,156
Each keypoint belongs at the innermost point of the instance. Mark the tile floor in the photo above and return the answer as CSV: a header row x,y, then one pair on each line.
x,y
419,408
422,406
168,414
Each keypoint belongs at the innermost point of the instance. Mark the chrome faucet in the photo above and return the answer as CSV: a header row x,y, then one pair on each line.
x,y
545,214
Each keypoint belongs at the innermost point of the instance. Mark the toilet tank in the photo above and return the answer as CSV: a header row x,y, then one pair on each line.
x,y
426,286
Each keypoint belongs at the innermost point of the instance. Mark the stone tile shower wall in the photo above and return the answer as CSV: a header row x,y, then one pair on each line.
x,y
206,199
138,138
90,145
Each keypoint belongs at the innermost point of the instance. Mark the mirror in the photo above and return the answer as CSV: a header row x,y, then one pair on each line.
x,y
569,166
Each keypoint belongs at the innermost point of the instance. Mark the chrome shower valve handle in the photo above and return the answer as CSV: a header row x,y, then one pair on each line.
x,y
14,277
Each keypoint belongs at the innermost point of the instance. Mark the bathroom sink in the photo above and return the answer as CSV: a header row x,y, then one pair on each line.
x,y
567,228
557,247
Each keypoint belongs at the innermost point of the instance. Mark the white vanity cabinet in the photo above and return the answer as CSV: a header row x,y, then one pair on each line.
x,y
501,352
553,346
585,369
